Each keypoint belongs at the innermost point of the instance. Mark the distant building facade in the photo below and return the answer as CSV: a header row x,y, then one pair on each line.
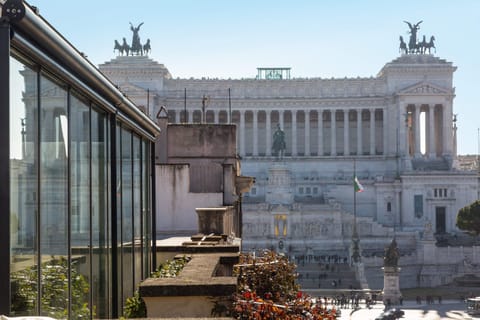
x,y
396,132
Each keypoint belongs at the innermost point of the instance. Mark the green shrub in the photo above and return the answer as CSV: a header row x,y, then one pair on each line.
x,y
54,290
135,306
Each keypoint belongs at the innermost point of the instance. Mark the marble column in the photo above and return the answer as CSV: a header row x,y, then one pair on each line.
x,y
177,116
372,132
268,130
385,131
346,133
242,132
406,127
280,115
216,116
417,151
432,125
320,133
294,133
255,132
333,124
447,129
359,133
307,132
397,213
282,126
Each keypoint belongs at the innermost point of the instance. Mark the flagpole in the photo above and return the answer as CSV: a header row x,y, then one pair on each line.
x,y
355,238
355,235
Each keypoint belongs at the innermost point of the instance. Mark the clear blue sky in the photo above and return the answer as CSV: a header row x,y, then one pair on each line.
x,y
316,38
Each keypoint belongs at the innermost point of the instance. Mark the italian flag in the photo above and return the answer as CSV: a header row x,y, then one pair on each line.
x,y
357,185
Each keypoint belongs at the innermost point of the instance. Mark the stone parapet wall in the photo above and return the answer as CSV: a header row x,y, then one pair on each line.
x,y
195,292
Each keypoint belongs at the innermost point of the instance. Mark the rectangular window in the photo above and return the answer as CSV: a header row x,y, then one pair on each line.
x,y
80,190
23,187
101,237
418,205
137,209
146,209
300,190
127,262
54,204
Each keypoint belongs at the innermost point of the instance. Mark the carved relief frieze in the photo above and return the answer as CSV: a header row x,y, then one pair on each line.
x,y
424,89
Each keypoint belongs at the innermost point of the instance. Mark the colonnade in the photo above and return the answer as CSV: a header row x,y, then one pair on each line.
x,y
337,131
324,132
435,133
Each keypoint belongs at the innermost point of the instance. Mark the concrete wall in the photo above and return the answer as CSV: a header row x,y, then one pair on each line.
x,y
187,141
196,168
179,307
175,203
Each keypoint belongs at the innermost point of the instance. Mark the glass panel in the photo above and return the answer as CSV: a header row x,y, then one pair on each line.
x,y
80,207
127,215
23,188
100,216
146,207
119,216
53,199
137,209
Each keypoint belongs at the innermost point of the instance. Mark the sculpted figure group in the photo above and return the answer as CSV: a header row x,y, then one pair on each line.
x,y
136,48
415,46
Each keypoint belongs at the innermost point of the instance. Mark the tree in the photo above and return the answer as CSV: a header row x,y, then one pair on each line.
x,y
468,218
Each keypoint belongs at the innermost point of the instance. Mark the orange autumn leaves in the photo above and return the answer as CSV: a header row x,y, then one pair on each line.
x,y
267,289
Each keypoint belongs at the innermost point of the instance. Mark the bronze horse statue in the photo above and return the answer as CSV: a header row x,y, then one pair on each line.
x,y
125,46
146,47
403,46
121,48
118,47
429,45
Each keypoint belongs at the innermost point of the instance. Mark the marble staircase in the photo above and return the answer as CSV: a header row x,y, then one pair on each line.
x,y
327,276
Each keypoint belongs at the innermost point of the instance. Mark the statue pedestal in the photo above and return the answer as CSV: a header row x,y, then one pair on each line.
x,y
212,220
279,188
391,285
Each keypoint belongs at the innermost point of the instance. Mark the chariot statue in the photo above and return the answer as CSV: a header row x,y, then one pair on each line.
x,y
136,47
415,46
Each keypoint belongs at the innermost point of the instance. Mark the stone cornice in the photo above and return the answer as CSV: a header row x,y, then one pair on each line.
x,y
280,103
274,89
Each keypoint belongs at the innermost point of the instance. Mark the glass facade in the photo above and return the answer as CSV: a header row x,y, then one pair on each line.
x,y
64,162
